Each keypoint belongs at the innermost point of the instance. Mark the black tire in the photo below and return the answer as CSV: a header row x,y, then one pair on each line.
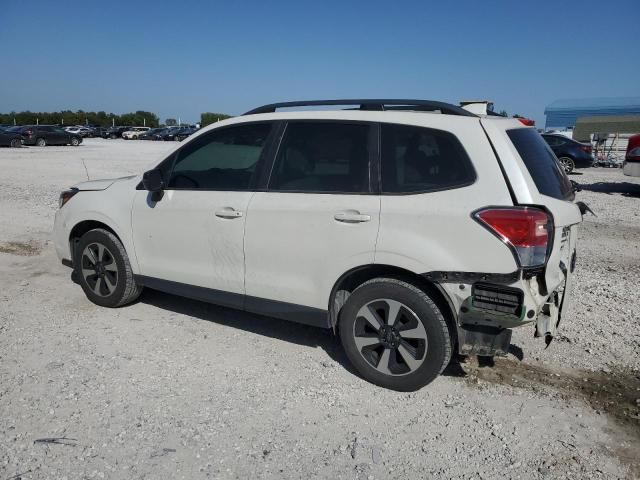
x,y
74,142
432,354
567,163
16,143
114,257
41,142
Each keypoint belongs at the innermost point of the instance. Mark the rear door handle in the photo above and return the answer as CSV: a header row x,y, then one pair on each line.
x,y
351,216
228,212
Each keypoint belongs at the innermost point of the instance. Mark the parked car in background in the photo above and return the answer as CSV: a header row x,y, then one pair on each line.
x,y
98,131
115,132
82,131
41,135
570,153
10,139
631,165
183,133
171,132
134,132
149,134
403,231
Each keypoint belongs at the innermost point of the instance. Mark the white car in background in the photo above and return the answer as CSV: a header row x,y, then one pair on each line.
x,y
134,132
413,228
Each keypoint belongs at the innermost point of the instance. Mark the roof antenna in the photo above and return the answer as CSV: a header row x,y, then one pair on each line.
x,y
85,168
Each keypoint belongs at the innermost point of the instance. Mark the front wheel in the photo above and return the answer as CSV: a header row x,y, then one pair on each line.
x,y
103,269
41,142
74,142
394,334
567,164
16,143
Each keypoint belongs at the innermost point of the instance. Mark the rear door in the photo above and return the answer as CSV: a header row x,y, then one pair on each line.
x,y
318,219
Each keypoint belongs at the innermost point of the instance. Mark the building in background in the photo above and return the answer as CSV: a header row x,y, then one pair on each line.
x,y
563,114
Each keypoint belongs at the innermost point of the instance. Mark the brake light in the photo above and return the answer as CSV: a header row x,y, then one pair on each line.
x,y
28,133
526,230
585,148
526,121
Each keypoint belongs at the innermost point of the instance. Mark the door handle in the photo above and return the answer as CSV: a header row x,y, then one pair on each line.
x,y
351,216
228,212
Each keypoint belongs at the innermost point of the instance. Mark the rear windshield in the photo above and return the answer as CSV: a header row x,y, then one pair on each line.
x,y
542,163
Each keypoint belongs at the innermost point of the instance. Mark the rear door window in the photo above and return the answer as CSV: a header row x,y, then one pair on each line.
x,y
542,164
323,157
417,159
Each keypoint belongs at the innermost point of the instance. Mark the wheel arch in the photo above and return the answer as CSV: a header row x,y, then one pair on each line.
x,y
83,227
355,277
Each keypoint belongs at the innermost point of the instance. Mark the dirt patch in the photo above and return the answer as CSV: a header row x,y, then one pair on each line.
x,y
19,248
614,393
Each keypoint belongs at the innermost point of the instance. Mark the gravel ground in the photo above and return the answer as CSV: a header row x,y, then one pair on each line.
x,y
173,388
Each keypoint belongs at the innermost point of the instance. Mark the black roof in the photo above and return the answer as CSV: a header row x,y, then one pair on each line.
x,y
371,105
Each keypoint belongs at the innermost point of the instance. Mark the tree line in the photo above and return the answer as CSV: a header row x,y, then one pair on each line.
x,y
80,117
103,119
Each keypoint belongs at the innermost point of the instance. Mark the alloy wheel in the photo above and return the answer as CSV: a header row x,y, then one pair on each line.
x,y
390,337
99,269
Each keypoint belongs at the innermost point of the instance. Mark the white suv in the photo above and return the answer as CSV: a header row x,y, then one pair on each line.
x,y
134,132
411,228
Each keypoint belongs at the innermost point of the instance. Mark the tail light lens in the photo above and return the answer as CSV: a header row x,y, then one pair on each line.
x,y
28,133
526,121
633,155
526,230
586,148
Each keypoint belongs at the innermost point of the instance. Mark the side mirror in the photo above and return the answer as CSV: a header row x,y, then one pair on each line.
x,y
152,180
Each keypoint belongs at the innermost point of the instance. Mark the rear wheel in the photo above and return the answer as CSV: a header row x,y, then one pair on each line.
x,y
103,269
41,142
394,334
74,141
567,164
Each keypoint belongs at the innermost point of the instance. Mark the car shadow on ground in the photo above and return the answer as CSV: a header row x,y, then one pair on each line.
x,y
262,325
285,330
626,189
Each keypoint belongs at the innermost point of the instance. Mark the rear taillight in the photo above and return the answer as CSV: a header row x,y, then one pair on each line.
x,y
586,148
633,155
526,121
28,133
526,230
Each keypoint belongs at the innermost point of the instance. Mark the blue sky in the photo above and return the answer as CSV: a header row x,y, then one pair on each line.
x,y
182,58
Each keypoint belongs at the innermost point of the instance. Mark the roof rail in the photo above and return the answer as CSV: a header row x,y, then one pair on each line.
x,y
372,104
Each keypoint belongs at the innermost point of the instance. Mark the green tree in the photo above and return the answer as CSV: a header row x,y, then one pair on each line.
x,y
170,122
207,118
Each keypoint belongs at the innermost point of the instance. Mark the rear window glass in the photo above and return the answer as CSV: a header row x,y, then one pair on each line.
x,y
543,166
416,159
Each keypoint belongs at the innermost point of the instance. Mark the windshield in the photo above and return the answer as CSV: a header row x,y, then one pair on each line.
x,y
543,166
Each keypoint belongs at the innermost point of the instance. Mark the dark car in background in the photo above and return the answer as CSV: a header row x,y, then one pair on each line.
x,y
184,133
570,153
149,134
169,133
99,131
9,139
114,132
41,135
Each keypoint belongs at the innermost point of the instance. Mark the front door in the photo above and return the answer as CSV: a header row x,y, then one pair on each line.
x,y
193,234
